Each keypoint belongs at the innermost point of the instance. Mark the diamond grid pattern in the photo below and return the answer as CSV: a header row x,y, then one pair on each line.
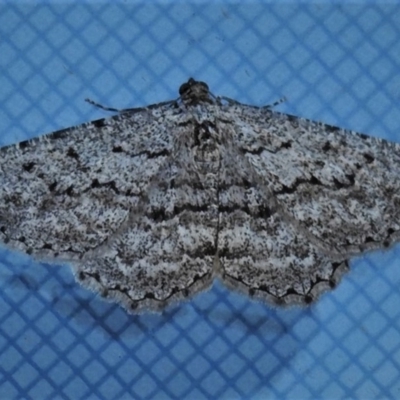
x,y
334,62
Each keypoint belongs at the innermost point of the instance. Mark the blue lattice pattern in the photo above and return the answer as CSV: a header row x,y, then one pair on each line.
x,y
334,62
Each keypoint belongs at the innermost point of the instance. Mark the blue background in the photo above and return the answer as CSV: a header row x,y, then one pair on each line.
x,y
335,62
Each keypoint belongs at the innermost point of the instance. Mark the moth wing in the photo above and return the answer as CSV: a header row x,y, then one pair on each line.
x,y
341,186
63,194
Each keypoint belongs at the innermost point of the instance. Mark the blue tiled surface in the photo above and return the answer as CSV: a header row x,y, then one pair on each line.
x,y
334,62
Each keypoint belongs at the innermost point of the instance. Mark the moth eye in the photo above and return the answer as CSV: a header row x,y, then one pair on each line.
x,y
183,89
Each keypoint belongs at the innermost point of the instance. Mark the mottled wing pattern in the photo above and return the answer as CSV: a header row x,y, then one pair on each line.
x,y
313,196
151,205
262,251
63,194
109,197
341,186
168,248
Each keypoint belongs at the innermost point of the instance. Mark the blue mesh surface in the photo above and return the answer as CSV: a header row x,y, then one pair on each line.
x,y
334,62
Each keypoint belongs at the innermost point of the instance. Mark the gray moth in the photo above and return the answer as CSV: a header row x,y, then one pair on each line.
x,y
149,206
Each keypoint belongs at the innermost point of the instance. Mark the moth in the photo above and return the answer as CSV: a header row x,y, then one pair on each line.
x,y
149,206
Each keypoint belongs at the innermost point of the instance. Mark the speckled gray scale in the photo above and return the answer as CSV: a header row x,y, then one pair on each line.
x,y
149,206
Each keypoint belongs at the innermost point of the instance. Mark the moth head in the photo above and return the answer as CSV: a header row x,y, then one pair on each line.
x,y
194,92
